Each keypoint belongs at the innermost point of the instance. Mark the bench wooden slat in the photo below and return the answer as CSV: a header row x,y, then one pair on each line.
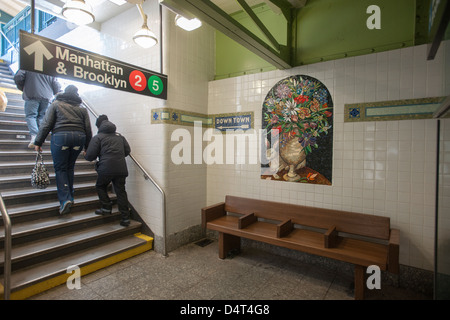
x,y
246,220
330,237
394,248
344,221
229,224
213,212
284,228
349,250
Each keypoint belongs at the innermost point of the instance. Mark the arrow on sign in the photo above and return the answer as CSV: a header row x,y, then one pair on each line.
x,y
242,126
40,51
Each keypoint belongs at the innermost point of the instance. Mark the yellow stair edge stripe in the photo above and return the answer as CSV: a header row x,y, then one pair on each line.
x,y
10,90
58,280
144,237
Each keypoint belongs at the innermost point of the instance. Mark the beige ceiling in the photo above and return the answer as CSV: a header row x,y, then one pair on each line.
x,y
12,7
103,9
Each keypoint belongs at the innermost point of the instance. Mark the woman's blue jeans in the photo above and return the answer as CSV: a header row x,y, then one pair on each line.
x,y
66,147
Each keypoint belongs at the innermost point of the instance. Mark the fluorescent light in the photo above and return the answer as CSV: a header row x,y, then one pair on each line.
x,y
118,2
78,11
187,24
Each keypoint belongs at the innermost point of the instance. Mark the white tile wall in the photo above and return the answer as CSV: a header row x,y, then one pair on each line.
x,y
385,168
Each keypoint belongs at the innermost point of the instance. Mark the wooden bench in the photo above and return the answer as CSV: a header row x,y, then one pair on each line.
x,y
360,239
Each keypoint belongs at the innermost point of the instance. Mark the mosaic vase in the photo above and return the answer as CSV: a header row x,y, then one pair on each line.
x,y
293,154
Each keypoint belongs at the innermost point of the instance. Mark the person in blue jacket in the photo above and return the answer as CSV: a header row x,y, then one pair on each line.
x,y
37,91
111,149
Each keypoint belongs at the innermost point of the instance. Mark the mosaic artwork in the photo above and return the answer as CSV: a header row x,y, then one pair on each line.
x,y
298,115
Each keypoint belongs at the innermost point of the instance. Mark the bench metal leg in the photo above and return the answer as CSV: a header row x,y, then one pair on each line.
x,y
228,242
359,282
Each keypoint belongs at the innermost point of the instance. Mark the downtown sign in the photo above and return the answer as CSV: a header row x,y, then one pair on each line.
x,y
53,58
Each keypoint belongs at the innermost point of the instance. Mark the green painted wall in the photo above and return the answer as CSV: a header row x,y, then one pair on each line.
x,y
323,30
329,29
232,59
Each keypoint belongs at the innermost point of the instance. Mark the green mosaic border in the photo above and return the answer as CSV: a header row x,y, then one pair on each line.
x,y
186,118
406,109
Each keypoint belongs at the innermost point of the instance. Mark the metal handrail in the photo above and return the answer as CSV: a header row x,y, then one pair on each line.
x,y
7,224
146,177
7,249
442,109
17,50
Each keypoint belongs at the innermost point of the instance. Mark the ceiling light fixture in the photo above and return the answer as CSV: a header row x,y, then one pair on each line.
x,y
187,24
184,19
144,37
78,11
118,2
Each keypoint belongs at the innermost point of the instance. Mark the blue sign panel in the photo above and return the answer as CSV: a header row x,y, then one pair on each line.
x,y
233,122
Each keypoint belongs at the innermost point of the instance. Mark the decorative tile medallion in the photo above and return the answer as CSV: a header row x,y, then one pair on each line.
x,y
354,113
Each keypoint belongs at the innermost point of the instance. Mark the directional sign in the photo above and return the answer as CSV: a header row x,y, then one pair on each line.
x,y
40,52
47,56
233,122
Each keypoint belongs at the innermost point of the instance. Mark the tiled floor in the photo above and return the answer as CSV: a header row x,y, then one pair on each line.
x,y
193,272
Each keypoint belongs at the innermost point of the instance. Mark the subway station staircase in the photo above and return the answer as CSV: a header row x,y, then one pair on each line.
x,y
45,244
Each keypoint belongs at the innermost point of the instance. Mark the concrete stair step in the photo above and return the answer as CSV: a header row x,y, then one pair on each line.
x,y
13,182
26,167
4,83
38,278
13,125
21,213
12,116
48,161
24,254
55,223
10,156
14,134
15,144
32,195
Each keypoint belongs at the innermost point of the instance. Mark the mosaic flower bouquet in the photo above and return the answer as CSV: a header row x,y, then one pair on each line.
x,y
299,110
298,107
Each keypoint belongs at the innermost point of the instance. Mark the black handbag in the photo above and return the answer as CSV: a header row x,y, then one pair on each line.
x,y
39,176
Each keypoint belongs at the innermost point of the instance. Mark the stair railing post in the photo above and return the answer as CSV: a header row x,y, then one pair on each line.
x,y
33,9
